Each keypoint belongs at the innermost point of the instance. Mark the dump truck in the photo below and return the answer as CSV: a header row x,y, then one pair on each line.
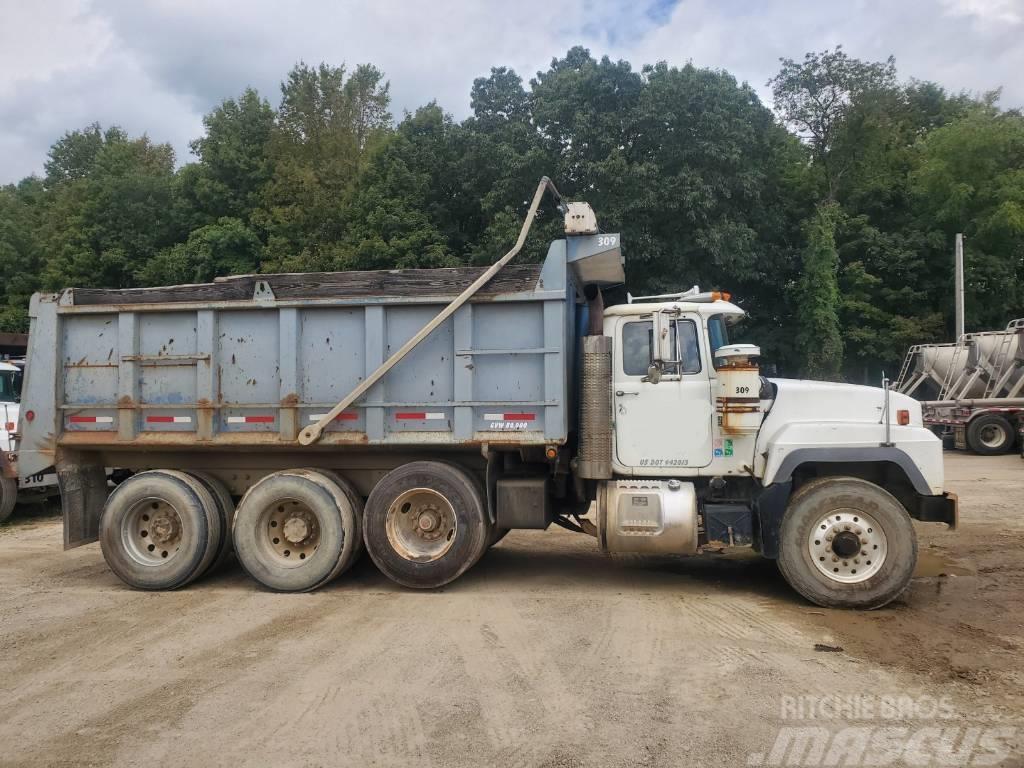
x,y
298,419
971,390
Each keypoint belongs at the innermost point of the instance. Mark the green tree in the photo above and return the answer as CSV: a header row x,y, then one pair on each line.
x,y
327,124
817,298
814,98
100,229
227,247
21,255
234,165
971,180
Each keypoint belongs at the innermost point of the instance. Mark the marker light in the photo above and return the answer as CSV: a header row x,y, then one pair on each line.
x,y
902,417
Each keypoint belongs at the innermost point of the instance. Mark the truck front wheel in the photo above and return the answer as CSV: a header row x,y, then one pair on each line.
x,y
426,524
846,543
8,497
990,434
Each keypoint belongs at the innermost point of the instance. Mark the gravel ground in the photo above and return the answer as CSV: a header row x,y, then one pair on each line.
x,y
546,653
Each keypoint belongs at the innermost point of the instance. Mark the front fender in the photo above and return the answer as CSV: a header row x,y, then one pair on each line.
x,y
914,449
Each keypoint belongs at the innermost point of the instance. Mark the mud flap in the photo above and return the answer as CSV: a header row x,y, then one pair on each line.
x,y
770,506
83,492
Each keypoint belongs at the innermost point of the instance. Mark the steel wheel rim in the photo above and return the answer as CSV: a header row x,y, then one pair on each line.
x,y
289,532
831,538
152,532
992,436
421,525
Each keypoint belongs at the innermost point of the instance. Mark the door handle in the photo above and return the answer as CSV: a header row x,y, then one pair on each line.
x,y
623,393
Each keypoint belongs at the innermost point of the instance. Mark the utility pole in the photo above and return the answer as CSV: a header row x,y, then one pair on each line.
x,y
959,287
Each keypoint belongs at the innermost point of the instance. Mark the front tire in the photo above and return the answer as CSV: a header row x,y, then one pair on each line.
x,y
989,435
846,543
426,524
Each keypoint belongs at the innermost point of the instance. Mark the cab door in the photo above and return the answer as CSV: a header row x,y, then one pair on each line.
x,y
664,426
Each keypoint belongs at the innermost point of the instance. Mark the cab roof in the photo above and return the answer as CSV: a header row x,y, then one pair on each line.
x,y
706,308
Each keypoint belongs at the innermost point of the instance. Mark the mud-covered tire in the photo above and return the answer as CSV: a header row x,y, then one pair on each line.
x,y
854,513
990,434
453,504
225,508
8,497
298,529
159,530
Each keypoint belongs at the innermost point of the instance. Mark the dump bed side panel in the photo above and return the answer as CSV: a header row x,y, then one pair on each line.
x,y
246,373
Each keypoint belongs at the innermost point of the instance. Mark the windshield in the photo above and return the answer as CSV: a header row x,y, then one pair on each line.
x,y
10,386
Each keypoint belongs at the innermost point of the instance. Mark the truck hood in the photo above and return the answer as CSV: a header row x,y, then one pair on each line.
x,y
805,400
8,414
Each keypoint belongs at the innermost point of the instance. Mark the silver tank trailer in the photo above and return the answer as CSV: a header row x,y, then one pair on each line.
x,y
983,365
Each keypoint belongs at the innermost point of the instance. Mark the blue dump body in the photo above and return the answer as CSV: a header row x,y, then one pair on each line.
x,y
252,360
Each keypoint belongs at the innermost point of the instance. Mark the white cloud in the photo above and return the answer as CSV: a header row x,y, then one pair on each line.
x,y
158,65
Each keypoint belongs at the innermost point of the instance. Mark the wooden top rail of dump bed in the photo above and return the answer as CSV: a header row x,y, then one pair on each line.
x,y
376,284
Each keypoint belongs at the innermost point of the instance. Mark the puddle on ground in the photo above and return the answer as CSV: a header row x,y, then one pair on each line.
x,y
932,564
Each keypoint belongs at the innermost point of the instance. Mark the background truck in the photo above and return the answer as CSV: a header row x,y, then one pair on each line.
x,y
971,390
13,489
424,413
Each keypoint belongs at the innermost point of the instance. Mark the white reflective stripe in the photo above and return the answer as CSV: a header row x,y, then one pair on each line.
x,y
494,416
434,416
236,419
104,419
182,419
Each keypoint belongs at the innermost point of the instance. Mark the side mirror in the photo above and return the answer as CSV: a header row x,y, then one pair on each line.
x,y
653,373
662,348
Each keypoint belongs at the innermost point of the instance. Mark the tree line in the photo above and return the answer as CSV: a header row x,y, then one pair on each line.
x,y
830,217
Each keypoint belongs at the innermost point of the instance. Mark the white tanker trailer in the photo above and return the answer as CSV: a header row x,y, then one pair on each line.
x,y
971,390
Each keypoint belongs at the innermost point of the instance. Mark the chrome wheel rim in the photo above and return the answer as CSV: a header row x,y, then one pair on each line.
x,y
421,525
152,532
289,532
847,546
992,436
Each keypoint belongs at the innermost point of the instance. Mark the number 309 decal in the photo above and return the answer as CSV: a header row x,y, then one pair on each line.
x,y
606,240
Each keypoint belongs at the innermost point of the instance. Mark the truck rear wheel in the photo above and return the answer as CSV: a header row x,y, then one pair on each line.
x,y
8,497
846,543
990,434
426,524
159,530
296,530
224,506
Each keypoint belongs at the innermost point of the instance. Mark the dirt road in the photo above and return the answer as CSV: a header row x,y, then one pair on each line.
x,y
546,653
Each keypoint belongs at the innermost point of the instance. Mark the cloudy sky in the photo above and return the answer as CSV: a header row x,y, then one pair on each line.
x,y
156,66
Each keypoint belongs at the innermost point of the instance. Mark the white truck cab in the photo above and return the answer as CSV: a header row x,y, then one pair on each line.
x,y
11,375
709,412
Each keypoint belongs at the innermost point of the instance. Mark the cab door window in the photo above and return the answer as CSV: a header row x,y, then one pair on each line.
x,y
638,341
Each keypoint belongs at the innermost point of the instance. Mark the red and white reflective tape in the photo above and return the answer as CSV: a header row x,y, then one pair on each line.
x,y
250,419
91,419
168,419
419,416
509,416
343,416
